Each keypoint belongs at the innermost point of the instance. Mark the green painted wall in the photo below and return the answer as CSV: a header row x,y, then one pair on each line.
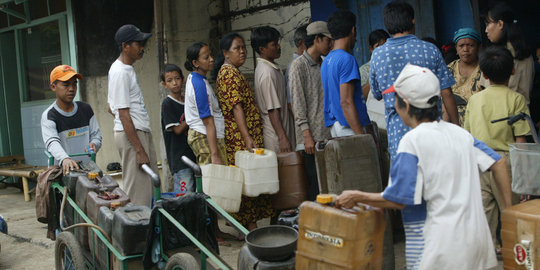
x,y
11,142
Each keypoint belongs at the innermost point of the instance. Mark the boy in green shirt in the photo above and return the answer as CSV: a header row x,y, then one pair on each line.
x,y
496,101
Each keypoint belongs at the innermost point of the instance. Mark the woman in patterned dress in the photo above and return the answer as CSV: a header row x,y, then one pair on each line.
x,y
243,123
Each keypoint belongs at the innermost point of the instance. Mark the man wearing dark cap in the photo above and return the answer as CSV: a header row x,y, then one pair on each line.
x,y
131,122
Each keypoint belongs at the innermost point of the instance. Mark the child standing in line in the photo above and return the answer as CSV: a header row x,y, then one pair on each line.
x,y
206,135
175,129
495,102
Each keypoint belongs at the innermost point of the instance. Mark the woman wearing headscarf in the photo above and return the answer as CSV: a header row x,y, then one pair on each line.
x,y
503,30
465,69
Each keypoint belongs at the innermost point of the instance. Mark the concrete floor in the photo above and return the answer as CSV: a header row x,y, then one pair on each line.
x,y
26,245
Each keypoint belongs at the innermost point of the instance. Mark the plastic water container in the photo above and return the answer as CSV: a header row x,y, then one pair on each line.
x,y
260,172
105,219
520,233
98,247
352,163
525,160
333,238
376,110
320,164
94,203
70,181
292,181
92,182
130,226
224,185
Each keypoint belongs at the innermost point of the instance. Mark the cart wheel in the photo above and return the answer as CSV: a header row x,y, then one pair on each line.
x,y
182,261
68,253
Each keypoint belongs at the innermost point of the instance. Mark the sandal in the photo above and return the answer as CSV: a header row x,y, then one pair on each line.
x,y
498,252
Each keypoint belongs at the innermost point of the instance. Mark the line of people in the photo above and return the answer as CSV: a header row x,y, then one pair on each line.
x,y
434,173
323,95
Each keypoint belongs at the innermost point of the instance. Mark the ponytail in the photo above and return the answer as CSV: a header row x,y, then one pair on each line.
x,y
192,53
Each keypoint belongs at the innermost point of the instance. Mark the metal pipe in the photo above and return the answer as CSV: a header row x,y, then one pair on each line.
x,y
155,178
196,169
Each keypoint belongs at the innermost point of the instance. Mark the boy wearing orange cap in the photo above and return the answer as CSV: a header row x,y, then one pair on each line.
x,y
68,127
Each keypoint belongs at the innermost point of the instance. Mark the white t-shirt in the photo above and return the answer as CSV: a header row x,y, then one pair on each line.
x,y
201,102
125,92
438,165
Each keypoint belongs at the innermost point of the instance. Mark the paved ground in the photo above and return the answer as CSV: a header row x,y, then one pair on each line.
x,y
26,245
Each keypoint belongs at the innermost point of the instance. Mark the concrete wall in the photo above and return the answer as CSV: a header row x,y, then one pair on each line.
x,y
191,21
186,22
96,96
285,19
97,50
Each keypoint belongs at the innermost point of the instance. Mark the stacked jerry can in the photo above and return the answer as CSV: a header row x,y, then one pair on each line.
x,y
224,185
254,173
292,181
260,171
520,233
85,184
331,238
352,163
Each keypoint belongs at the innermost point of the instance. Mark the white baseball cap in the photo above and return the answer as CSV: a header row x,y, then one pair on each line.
x,y
318,27
416,85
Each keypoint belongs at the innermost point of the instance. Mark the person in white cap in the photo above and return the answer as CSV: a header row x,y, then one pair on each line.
x,y
436,169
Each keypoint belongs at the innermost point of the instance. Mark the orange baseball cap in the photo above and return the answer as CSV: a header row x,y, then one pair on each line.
x,y
63,73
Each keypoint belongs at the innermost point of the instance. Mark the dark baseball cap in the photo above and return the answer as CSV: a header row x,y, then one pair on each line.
x,y
130,32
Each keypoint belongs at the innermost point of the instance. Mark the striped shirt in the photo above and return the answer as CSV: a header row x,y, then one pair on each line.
x,y
66,133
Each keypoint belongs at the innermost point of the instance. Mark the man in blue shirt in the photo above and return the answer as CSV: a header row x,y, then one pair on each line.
x,y
344,108
389,59
387,62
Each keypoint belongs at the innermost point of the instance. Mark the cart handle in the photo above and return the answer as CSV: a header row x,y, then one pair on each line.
x,y
511,119
521,116
155,178
196,169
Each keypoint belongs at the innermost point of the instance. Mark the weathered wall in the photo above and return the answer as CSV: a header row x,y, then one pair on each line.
x,y
96,23
96,96
205,20
284,18
185,22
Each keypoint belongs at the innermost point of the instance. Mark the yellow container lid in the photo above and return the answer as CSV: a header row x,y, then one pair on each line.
x,y
92,175
259,151
115,205
325,198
